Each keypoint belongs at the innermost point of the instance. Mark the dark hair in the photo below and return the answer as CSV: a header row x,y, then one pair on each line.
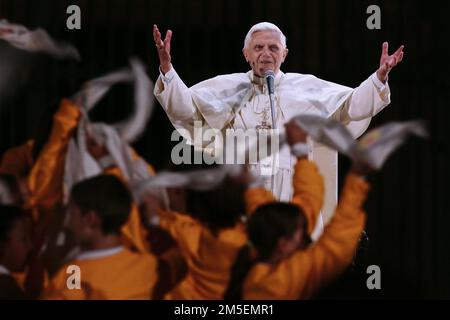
x,y
218,208
265,227
8,216
108,197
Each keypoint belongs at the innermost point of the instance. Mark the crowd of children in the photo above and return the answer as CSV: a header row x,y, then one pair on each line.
x,y
232,241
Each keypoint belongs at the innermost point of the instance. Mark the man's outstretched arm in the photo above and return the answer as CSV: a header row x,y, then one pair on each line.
x,y
373,94
170,91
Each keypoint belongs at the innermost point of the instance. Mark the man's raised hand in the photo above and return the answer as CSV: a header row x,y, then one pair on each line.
x,y
163,47
387,62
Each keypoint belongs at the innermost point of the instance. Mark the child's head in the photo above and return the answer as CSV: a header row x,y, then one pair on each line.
x,y
10,191
277,230
15,238
221,207
98,207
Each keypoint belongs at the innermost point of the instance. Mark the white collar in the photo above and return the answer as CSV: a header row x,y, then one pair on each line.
x,y
4,270
261,80
95,254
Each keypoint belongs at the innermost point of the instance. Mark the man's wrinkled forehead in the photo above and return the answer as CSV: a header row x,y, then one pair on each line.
x,y
270,36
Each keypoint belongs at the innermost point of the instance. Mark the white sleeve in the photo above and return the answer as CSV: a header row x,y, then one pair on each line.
x,y
366,101
175,97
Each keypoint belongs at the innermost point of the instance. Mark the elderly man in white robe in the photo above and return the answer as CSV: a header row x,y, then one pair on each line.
x,y
241,101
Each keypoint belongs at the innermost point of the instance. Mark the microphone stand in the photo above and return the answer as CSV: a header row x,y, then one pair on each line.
x,y
274,126
272,110
271,90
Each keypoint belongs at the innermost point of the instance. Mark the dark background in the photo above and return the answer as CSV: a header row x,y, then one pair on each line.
x,y
408,221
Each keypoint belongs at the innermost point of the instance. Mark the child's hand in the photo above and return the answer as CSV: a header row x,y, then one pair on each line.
x,y
361,169
294,133
149,206
96,150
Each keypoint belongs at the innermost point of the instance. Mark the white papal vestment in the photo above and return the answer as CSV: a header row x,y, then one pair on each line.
x,y
240,101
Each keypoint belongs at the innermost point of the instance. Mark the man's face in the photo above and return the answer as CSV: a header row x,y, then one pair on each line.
x,y
79,224
265,52
289,245
18,247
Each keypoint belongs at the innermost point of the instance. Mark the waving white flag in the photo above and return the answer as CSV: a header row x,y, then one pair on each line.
x,y
116,138
372,149
37,40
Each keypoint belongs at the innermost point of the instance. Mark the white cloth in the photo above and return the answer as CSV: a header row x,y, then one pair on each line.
x,y
372,149
6,196
237,101
97,254
80,164
4,270
37,40
94,90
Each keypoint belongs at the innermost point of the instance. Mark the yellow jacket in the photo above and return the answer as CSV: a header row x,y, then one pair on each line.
x,y
134,233
211,257
308,192
302,274
46,178
18,160
123,275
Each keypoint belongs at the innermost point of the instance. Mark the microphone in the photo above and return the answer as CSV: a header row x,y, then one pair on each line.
x,y
270,79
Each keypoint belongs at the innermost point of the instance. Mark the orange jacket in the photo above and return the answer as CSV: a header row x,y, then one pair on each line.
x,y
134,233
209,257
46,178
18,160
47,175
308,192
124,275
302,274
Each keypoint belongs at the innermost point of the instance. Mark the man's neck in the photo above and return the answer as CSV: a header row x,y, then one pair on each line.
x,y
262,76
256,79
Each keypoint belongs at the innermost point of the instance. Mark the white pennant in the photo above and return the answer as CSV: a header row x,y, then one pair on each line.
x,y
372,149
37,40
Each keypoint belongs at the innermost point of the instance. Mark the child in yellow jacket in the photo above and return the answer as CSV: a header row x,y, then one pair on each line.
x,y
15,247
279,262
98,208
46,178
211,241
41,166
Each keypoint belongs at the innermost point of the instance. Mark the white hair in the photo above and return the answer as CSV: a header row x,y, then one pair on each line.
x,y
264,26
